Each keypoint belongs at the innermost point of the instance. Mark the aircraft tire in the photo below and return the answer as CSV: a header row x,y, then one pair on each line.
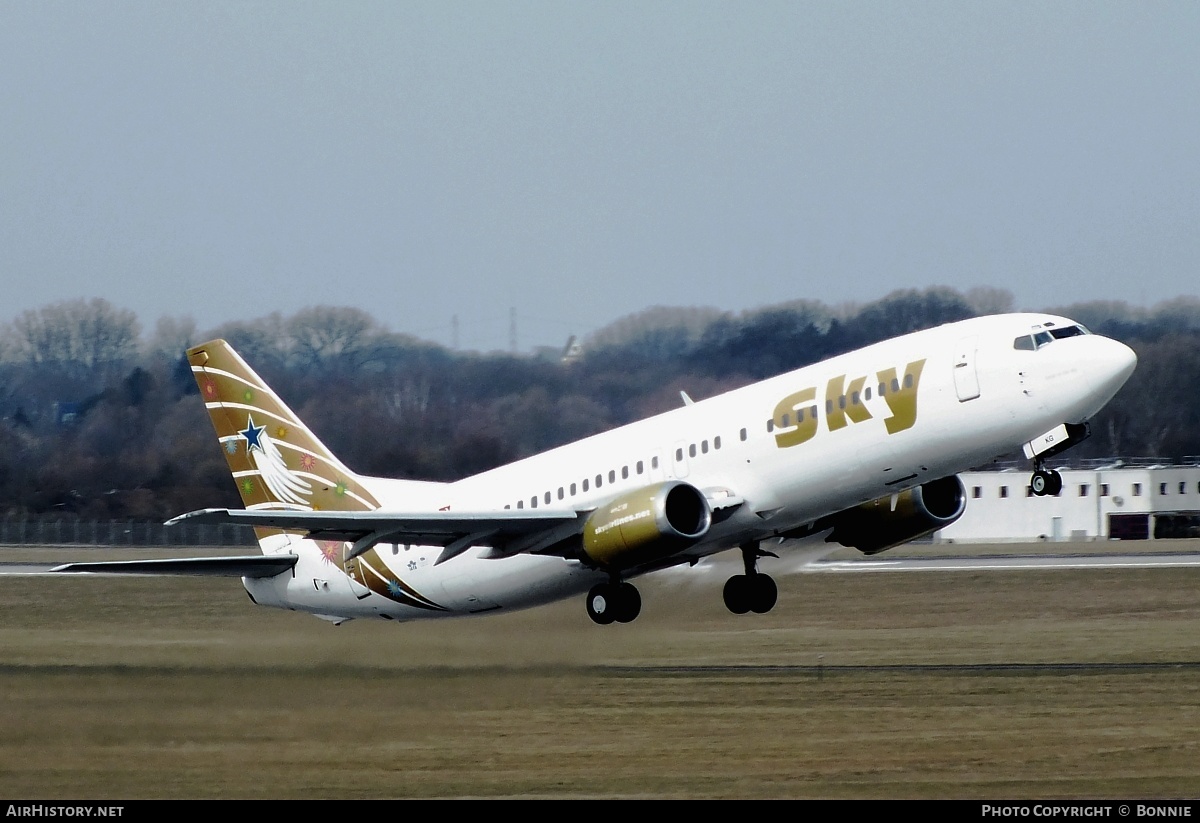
x,y
602,604
737,594
1054,482
628,603
763,593
1039,483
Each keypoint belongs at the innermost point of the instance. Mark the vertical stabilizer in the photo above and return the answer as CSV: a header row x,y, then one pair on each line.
x,y
276,461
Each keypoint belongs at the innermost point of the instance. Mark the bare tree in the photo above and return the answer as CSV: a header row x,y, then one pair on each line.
x,y
89,340
324,337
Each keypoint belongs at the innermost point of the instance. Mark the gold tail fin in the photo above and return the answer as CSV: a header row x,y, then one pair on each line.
x,y
275,460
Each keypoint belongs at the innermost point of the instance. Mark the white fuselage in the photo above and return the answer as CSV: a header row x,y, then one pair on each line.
x,y
974,395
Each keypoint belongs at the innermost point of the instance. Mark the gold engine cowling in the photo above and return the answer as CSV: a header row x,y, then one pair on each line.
x,y
646,525
895,519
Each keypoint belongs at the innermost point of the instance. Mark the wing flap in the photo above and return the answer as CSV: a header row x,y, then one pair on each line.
x,y
455,530
246,566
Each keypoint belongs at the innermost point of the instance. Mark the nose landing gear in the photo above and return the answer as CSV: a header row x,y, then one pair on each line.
x,y
1045,482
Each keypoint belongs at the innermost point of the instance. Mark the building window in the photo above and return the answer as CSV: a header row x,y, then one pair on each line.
x,y
1104,490
1137,489
1182,487
1162,488
1083,489
977,492
1004,491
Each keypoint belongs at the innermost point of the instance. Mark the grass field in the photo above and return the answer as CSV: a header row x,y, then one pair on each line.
x,y
1023,684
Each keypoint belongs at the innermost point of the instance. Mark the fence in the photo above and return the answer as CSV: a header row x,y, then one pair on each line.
x,y
65,531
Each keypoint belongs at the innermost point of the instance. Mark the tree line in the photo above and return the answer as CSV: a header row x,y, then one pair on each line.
x,y
101,420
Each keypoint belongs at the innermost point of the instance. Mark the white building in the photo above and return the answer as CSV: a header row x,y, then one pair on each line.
x,y
1120,502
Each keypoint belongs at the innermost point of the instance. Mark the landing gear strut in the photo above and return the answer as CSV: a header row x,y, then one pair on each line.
x,y
753,591
616,601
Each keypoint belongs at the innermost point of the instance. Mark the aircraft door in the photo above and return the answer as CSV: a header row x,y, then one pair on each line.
x,y
679,460
966,379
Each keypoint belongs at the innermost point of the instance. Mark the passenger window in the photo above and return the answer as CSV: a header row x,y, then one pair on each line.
x,y
624,472
547,498
599,480
717,444
561,493
572,489
743,435
678,454
520,504
639,467
533,502
770,425
654,462
612,476
704,446
692,450
585,484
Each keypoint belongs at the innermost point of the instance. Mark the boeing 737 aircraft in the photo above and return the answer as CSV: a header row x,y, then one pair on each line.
x,y
860,450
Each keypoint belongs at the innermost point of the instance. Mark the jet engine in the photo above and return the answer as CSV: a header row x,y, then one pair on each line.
x,y
889,521
646,525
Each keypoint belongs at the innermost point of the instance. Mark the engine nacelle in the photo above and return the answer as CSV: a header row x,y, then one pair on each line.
x,y
881,524
646,525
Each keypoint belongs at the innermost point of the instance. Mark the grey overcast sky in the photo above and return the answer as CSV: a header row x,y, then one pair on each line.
x,y
580,161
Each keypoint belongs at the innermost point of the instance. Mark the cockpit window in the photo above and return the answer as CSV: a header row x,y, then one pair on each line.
x,y
1038,339
1068,331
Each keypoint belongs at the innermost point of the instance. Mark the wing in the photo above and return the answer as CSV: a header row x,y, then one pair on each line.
x,y
249,566
506,532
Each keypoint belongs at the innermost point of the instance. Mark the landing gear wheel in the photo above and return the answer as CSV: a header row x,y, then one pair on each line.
x,y
737,594
763,593
628,603
601,604
1045,482
614,602
1054,486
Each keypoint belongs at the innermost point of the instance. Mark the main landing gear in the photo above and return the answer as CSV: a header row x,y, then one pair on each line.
x,y
753,591
1045,482
616,601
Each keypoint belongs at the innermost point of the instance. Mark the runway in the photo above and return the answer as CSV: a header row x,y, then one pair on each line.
x,y
1165,560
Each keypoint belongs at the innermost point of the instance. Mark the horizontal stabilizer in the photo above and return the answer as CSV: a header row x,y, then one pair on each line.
x,y
247,566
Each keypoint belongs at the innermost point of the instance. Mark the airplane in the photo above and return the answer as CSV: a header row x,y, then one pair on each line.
x,y
860,450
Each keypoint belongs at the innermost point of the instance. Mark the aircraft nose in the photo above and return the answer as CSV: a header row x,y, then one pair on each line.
x,y
1113,365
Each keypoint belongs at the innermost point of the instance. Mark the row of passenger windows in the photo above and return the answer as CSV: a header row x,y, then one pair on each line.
x,y
586,485
1085,489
